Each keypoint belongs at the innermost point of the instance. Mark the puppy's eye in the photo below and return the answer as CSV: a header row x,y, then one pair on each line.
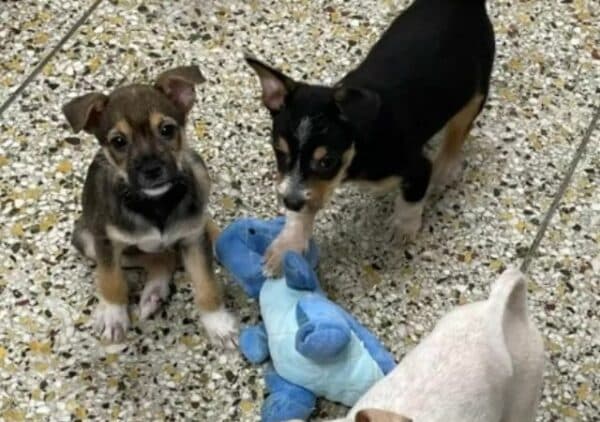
x,y
118,141
327,163
167,130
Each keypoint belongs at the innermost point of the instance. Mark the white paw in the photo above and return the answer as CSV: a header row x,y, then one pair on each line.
x,y
221,327
275,252
403,230
112,321
154,295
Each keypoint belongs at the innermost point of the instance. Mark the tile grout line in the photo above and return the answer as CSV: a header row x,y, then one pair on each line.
x,y
12,97
561,191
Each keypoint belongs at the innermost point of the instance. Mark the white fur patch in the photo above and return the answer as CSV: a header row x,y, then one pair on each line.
x,y
221,327
152,240
112,321
154,192
407,218
303,130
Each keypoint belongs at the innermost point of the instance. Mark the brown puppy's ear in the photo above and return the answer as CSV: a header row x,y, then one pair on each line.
x,y
360,106
377,415
178,85
275,85
84,112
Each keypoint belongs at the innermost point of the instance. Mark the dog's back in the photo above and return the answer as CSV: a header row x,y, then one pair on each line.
x,y
431,61
482,362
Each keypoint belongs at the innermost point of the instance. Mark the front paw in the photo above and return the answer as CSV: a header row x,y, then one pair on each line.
x,y
112,321
221,327
403,230
275,253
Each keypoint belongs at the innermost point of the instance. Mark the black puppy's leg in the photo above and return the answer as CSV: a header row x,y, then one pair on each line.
x,y
408,207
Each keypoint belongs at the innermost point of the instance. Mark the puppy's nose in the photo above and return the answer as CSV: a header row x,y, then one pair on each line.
x,y
152,170
293,202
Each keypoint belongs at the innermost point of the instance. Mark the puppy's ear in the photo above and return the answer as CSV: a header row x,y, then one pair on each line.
x,y
357,105
275,85
178,84
83,113
377,415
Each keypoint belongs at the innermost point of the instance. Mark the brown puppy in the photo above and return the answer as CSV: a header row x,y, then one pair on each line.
x,y
145,198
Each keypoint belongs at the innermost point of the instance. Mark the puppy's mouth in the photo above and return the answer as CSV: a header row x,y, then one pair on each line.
x,y
157,190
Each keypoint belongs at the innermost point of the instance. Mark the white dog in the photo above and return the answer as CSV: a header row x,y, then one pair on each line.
x,y
483,362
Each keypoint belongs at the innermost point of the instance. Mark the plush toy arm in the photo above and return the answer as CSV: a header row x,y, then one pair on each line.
x,y
286,401
298,273
254,344
378,352
323,332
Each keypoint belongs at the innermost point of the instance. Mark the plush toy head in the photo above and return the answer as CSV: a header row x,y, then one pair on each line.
x,y
242,245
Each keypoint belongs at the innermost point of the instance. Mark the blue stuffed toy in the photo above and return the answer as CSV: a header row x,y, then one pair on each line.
x,y
316,347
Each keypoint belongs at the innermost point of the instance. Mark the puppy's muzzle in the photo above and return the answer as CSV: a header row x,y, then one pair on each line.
x,y
151,172
294,201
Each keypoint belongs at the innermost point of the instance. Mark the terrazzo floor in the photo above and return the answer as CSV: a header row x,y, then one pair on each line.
x,y
529,195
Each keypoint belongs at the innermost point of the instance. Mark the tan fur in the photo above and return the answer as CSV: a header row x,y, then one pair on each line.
x,y
158,263
377,415
282,145
122,127
455,133
207,291
318,191
212,230
112,285
319,153
382,186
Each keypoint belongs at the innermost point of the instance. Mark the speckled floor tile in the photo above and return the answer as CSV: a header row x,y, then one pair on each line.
x,y
544,89
29,30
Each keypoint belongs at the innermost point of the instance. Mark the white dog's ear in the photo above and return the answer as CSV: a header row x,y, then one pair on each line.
x,y
378,415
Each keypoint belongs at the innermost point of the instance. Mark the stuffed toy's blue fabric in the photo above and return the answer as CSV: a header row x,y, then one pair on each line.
x,y
316,347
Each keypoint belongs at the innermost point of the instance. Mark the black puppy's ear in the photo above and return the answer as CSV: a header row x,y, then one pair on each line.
x,y
275,85
83,113
356,104
178,84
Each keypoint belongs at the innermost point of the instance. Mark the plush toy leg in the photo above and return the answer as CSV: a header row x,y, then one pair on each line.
x,y
323,331
253,343
298,273
286,401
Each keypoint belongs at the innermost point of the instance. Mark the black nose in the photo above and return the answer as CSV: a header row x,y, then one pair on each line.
x,y
152,171
293,202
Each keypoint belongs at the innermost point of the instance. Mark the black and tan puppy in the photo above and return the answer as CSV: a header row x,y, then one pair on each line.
x,y
428,74
145,198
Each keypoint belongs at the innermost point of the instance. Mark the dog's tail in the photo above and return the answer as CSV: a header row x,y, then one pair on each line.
x,y
507,313
517,343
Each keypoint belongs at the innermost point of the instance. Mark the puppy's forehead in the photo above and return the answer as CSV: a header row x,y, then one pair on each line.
x,y
303,130
138,103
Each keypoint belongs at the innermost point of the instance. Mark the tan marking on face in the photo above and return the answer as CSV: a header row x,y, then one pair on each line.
x,y
282,145
319,153
121,127
318,191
